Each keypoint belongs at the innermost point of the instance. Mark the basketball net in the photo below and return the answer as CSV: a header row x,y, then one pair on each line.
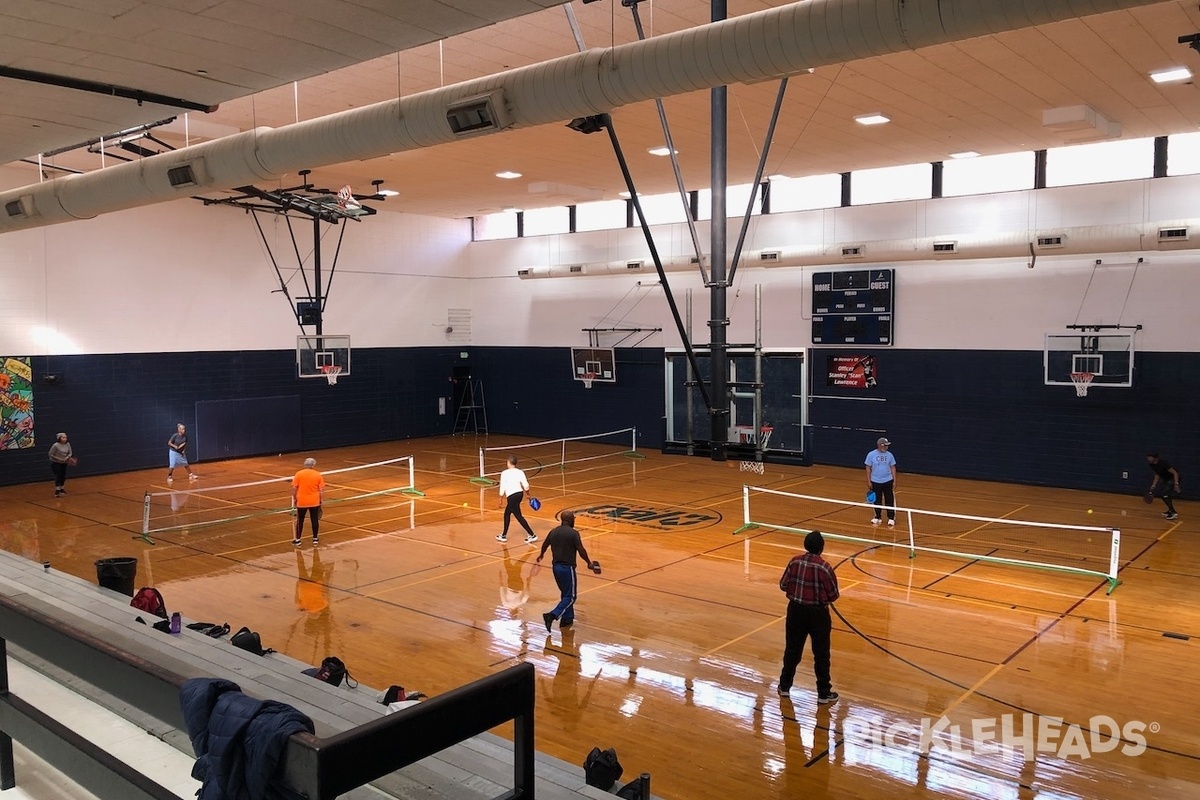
x,y
587,379
1082,381
331,373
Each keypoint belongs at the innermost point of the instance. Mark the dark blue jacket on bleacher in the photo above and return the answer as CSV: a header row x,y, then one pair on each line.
x,y
238,740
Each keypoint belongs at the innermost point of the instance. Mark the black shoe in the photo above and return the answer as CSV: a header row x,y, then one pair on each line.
x,y
316,541
548,618
785,692
566,624
832,697
1171,515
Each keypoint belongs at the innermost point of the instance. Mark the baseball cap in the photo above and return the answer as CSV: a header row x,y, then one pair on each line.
x,y
882,440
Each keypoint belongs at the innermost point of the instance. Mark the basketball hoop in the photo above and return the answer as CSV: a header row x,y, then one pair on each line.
x,y
587,379
344,196
331,373
1082,381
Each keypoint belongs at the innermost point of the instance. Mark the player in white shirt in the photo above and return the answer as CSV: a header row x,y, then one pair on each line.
x,y
513,486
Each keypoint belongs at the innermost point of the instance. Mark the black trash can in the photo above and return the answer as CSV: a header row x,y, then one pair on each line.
x,y
118,574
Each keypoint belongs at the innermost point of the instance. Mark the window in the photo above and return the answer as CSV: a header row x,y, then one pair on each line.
x,y
1183,154
542,221
736,198
888,184
1003,173
496,226
805,194
601,215
1100,162
661,209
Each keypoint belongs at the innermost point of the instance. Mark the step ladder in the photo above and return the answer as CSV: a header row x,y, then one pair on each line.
x,y
472,412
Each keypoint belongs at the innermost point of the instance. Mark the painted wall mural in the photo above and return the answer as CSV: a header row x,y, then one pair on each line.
x,y
16,403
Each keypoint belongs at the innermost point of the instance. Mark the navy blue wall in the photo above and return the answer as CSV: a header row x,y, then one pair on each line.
x,y
970,414
531,392
119,410
988,415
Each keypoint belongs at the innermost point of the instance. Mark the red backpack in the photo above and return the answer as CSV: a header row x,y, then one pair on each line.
x,y
150,600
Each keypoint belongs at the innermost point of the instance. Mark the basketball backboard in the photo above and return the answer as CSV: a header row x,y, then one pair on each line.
x,y
315,354
598,361
1107,355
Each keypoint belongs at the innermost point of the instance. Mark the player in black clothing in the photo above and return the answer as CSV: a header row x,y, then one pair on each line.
x,y
1170,480
564,542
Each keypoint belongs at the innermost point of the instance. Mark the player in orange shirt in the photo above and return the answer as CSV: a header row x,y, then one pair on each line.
x,y
308,490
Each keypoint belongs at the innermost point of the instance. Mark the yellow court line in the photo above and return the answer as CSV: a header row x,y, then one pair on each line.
x,y
764,626
972,690
984,525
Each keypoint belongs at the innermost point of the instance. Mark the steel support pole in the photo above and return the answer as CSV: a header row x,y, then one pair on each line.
x,y
719,323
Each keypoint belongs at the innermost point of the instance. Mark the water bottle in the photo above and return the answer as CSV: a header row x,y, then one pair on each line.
x,y
176,623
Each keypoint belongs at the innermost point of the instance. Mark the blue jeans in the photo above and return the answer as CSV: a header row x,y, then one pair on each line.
x,y
564,576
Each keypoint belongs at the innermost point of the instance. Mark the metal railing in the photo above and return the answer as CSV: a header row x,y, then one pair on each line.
x,y
320,769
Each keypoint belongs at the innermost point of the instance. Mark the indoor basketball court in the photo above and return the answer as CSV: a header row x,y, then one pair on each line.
x,y
394,245
683,629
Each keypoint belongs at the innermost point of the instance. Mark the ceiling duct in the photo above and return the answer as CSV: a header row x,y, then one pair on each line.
x,y
775,42
1080,124
1091,240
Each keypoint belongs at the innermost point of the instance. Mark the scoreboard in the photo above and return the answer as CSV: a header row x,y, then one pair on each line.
x,y
853,307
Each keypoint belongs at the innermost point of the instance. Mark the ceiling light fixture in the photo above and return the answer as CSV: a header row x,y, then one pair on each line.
x,y
508,175
661,151
777,177
872,119
965,154
624,195
1170,75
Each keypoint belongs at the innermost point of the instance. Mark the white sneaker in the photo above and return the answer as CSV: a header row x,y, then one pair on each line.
x,y
530,539
891,523
875,520
170,480
193,477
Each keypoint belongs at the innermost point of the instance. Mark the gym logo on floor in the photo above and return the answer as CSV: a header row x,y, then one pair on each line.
x,y
651,516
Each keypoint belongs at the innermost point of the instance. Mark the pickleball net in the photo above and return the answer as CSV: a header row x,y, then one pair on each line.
x,y
1077,549
557,452
197,507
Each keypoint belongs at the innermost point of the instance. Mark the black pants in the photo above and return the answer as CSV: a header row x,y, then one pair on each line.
x,y
513,509
60,473
804,622
885,497
314,514
1168,494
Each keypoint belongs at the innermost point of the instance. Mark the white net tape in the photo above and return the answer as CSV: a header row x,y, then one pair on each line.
x,y
331,374
1082,380
751,466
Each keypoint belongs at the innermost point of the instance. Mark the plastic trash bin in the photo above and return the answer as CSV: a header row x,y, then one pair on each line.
x,y
118,574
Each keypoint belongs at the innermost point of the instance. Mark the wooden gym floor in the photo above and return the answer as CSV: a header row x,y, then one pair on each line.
x,y
675,653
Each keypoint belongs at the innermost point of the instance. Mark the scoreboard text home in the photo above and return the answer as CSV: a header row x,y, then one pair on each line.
x,y
853,307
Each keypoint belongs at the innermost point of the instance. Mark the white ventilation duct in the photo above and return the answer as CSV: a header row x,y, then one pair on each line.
x,y
754,47
1092,240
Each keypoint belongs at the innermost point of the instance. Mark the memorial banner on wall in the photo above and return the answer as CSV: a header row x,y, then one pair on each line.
x,y
857,372
16,403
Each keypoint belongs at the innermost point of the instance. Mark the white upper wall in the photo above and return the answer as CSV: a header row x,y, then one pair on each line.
x,y
182,276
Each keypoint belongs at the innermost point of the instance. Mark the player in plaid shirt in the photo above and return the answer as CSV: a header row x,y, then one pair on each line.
x,y
811,585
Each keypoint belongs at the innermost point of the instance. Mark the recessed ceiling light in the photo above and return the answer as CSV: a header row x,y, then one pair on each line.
x,y
872,119
201,72
509,210
508,175
661,151
777,177
965,154
1173,74
624,195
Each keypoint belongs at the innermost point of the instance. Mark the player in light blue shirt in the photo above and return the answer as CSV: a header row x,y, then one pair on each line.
x,y
881,478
